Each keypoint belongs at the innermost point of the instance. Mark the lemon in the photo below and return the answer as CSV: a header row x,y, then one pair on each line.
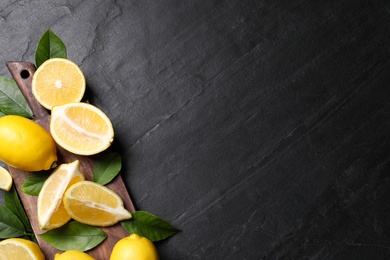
x,y
25,144
134,247
57,82
81,128
94,204
50,210
73,255
5,179
19,248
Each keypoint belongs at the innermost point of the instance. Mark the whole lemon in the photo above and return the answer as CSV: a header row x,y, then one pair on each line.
x,y
134,247
73,255
25,145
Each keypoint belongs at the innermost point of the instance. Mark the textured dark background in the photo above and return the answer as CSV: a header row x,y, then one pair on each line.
x,y
259,128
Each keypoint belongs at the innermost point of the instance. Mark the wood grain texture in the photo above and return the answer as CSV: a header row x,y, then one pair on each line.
x,y
22,72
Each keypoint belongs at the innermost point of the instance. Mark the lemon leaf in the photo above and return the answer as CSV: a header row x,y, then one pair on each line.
x,y
32,185
49,46
148,225
10,224
74,236
12,202
12,101
106,168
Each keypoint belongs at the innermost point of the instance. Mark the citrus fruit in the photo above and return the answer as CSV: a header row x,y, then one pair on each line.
x,y
51,211
25,144
57,82
134,247
94,204
5,179
19,248
73,255
81,128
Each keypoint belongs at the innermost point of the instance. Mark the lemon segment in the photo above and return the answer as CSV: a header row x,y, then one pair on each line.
x,y
5,179
50,207
134,247
94,204
58,81
19,248
81,128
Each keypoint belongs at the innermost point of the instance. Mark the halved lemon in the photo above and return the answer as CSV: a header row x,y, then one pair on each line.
x,y
81,128
57,82
51,211
19,248
94,204
5,179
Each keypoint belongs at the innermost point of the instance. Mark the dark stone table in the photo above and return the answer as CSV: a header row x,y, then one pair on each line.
x,y
259,128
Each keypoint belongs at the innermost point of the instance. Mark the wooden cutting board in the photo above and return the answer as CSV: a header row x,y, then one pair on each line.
x,y
22,72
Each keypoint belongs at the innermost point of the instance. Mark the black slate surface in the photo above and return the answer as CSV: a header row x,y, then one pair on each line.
x,y
258,128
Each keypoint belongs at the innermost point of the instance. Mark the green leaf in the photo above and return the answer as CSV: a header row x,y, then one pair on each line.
x,y
106,168
74,235
32,185
148,225
12,101
10,224
12,202
49,46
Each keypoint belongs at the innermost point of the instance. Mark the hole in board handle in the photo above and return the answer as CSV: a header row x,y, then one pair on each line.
x,y
24,74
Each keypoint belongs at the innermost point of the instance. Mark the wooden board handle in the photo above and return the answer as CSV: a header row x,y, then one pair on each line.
x,y
22,72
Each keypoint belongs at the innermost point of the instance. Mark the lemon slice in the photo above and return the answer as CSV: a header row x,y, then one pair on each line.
x,y
19,248
94,204
51,211
81,128
57,82
5,179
